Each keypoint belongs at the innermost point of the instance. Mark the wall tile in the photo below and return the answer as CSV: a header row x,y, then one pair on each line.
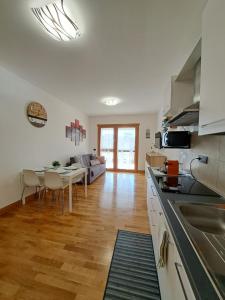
x,y
211,174
208,173
221,178
207,145
222,148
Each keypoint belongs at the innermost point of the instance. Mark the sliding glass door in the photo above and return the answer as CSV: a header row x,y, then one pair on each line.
x,y
107,146
126,148
119,144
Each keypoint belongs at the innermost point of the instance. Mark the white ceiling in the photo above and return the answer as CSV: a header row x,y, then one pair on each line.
x,y
128,49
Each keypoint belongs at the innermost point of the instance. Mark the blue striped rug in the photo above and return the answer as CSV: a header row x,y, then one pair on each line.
x,y
132,273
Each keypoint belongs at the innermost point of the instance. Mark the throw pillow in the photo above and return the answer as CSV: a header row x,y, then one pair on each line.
x,y
94,162
101,159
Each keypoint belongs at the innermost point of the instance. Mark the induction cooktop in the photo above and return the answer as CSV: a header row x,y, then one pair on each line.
x,y
184,185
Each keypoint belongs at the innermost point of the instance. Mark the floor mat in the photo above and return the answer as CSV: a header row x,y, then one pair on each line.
x,y
132,273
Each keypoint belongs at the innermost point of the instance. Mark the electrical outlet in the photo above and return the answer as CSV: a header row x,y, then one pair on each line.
x,y
203,159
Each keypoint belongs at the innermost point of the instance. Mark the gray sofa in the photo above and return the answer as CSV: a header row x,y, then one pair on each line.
x,y
93,171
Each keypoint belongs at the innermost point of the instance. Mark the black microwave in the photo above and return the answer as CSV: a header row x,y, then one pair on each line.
x,y
173,139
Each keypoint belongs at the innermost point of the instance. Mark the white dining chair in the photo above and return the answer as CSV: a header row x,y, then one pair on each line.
x,y
30,179
53,181
78,178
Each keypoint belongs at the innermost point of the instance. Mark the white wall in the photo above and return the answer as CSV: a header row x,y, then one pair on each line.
x,y
24,146
147,121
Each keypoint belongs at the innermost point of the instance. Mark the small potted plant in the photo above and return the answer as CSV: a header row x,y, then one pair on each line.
x,y
56,164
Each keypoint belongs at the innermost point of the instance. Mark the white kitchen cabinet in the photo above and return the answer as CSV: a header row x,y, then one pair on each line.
x,y
173,280
167,274
212,104
147,175
183,288
152,199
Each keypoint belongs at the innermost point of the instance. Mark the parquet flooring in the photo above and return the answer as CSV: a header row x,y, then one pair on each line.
x,y
47,256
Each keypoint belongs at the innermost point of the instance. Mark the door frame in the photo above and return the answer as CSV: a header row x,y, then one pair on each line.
x,y
115,142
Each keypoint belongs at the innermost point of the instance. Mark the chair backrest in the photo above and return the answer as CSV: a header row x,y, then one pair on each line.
x,y
53,180
30,178
85,160
78,178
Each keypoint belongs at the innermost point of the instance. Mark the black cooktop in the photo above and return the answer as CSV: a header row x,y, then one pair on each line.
x,y
184,185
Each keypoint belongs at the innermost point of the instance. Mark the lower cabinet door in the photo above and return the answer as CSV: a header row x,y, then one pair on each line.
x,y
154,233
183,288
173,280
167,273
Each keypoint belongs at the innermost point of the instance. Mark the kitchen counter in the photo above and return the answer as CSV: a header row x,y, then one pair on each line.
x,y
201,283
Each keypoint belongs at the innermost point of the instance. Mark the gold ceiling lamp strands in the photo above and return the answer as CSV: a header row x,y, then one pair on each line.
x,y
56,21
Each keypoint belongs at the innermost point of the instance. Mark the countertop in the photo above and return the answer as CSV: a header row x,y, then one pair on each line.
x,y
199,280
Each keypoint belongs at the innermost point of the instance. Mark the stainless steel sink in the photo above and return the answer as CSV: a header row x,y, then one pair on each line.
x,y
207,218
204,225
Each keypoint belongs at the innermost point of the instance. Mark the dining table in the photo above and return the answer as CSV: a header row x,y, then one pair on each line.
x,y
68,175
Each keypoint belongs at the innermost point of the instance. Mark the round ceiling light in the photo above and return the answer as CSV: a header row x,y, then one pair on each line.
x,y
111,101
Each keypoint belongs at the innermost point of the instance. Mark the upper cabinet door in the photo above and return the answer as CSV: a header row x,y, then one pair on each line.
x,y
212,104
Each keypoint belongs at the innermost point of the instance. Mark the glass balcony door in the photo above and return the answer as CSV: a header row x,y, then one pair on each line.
x,y
126,148
119,145
107,144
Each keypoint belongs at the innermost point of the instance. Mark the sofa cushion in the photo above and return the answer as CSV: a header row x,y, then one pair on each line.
x,y
85,160
101,159
94,162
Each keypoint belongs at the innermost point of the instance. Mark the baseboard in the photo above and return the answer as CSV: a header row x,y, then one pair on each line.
x,y
16,204
126,171
10,207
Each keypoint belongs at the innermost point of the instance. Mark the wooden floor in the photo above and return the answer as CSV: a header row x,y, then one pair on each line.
x,y
44,255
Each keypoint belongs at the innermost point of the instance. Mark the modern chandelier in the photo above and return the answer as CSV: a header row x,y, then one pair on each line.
x,y
56,22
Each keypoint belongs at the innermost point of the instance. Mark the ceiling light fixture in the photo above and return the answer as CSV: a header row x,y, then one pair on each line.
x,y
110,101
55,20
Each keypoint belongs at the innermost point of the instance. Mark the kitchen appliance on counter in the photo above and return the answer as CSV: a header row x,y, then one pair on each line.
x,y
172,167
173,139
184,184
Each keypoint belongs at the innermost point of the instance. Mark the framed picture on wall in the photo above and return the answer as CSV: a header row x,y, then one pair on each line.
x,y
81,133
77,137
75,132
68,132
147,134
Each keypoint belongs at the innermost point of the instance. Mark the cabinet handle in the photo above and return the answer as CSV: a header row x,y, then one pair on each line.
x,y
177,266
153,191
214,122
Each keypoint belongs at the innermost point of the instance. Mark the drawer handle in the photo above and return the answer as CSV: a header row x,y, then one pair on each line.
x,y
214,122
177,266
153,191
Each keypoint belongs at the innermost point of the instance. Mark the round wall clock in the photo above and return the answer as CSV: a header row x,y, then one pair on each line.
x,y
36,114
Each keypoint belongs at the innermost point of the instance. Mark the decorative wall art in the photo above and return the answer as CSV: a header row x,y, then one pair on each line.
x,y
75,132
36,114
147,134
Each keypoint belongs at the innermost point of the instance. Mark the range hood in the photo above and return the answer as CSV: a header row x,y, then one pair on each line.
x,y
188,117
